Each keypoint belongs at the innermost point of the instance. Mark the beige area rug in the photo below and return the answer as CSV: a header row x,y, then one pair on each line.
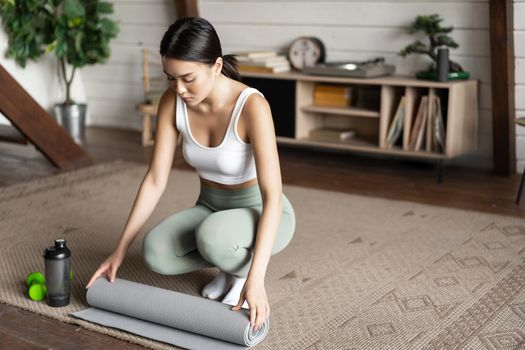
x,y
360,273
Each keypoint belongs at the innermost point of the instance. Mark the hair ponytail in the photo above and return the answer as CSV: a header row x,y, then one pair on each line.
x,y
229,67
195,39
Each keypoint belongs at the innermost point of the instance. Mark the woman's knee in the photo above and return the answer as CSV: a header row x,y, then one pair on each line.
x,y
172,238
208,237
224,240
286,229
152,249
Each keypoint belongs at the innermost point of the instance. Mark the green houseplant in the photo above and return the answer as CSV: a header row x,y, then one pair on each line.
x,y
437,36
77,32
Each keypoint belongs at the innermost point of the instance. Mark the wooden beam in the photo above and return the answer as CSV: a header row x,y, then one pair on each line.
x,y
186,8
38,126
502,77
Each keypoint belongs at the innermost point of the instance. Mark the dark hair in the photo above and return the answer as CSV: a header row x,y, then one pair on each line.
x,y
195,39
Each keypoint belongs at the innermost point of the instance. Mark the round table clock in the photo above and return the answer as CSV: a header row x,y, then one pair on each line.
x,y
306,51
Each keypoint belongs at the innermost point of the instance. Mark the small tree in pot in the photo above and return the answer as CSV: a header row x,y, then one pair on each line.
x,y
76,31
437,36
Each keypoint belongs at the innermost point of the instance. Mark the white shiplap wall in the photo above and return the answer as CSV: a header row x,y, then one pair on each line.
x,y
519,52
113,89
350,29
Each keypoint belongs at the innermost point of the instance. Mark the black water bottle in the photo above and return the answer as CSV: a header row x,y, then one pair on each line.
x,y
443,63
57,267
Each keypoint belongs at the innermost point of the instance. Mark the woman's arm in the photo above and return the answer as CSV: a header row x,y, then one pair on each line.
x,y
156,177
260,130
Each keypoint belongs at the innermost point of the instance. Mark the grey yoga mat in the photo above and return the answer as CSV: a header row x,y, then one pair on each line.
x,y
179,319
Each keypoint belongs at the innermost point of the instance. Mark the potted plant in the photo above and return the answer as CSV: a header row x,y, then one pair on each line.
x,y
437,36
77,32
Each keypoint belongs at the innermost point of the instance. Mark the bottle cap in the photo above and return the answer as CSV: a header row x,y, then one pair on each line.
x,y
60,243
58,251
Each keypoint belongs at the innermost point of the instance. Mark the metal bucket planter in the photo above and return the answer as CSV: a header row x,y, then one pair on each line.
x,y
73,118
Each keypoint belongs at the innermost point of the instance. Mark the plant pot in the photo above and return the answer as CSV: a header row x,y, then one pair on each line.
x,y
73,118
431,75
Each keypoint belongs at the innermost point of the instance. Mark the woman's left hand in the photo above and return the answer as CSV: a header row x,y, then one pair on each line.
x,y
255,295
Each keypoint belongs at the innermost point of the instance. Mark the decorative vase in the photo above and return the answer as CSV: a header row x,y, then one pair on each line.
x,y
73,118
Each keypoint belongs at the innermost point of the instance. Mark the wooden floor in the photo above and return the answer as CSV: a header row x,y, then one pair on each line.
x,y
471,189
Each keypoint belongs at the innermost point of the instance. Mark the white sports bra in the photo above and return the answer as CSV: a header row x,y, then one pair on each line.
x,y
229,163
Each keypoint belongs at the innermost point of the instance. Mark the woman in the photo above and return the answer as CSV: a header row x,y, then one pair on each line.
x,y
241,216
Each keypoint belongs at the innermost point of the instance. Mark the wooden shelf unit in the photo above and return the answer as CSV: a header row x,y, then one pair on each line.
x,y
459,100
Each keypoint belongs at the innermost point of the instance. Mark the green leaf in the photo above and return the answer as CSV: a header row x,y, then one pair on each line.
x,y
79,38
75,22
446,40
109,27
74,9
61,49
51,47
93,54
74,30
33,5
105,7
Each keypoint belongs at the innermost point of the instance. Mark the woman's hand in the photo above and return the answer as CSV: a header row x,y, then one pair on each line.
x,y
109,267
255,295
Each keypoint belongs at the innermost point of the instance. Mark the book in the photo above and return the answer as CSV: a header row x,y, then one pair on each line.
x,y
255,54
332,95
263,61
331,134
321,99
429,146
277,69
368,97
331,103
418,123
396,127
439,127
421,132
329,88
266,64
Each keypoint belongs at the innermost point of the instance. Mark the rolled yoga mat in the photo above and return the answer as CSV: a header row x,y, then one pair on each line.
x,y
179,319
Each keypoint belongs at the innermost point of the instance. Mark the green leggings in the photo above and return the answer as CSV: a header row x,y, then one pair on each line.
x,y
219,231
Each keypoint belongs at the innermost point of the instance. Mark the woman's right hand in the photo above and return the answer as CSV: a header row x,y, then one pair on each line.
x,y
109,267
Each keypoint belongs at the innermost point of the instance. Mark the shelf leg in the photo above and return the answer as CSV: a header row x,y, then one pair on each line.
x,y
439,168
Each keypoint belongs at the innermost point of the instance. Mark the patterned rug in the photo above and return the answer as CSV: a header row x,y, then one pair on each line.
x,y
360,272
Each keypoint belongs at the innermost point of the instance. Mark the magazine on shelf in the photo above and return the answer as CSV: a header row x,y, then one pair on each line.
x,y
438,127
419,124
396,127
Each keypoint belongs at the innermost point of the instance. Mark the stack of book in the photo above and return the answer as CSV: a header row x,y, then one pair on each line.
x,y
331,134
262,61
329,95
